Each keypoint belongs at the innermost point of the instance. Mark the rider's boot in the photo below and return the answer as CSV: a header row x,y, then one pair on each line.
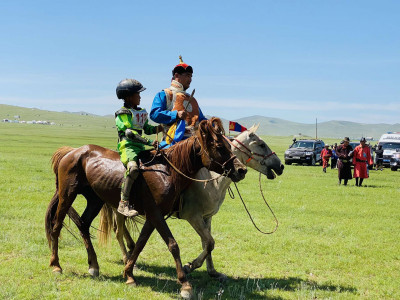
x,y
124,207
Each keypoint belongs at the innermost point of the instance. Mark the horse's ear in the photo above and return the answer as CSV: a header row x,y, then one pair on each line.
x,y
254,128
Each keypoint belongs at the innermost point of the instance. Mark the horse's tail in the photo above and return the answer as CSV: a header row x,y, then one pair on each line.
x,y
52,208
56,158
108,221
50,213
105,225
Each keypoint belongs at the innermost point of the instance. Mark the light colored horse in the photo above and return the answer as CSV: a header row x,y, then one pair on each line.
x,y
201,202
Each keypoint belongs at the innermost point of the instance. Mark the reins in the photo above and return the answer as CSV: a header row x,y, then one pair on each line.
x,y
205,181
188,177
265,201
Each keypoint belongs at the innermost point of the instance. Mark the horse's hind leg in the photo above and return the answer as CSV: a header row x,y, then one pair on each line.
x,y
65,199
94,205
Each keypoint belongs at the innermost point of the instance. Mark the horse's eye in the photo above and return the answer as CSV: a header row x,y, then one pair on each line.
x,y
262,145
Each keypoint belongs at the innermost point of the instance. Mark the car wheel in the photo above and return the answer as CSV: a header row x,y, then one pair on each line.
x,y
393,168
312,161
287,163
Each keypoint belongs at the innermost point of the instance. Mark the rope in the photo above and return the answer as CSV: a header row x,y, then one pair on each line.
x,y
265,201
230,192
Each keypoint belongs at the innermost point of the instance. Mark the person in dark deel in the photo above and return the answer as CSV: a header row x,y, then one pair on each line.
x,y
344,152
334,157
379,158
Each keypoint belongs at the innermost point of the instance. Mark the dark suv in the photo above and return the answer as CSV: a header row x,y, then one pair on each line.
x,y
304,152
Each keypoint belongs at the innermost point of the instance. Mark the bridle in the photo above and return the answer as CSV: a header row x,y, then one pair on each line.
x,y
223,165
249,153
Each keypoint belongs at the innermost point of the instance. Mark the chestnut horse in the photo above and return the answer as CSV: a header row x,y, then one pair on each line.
x,y
97,173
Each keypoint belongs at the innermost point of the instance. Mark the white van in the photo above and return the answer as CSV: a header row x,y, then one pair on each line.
x,y
390,142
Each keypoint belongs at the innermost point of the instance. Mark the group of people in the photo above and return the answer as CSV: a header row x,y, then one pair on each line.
x,y
170,106
360,157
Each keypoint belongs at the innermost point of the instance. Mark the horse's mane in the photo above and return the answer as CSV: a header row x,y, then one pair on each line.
x,y
179,154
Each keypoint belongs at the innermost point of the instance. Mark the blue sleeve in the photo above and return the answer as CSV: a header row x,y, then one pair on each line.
x,y
159,112
201,116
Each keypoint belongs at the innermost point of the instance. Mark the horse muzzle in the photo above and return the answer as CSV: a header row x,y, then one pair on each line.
x,y
272,171
238,172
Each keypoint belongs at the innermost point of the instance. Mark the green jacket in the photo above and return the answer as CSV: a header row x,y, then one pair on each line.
x,y
137,121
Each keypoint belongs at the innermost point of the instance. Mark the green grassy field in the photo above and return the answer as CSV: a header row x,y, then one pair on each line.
x,y
333,242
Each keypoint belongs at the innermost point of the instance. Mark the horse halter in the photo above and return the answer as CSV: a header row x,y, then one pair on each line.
x,y
223,165
250,153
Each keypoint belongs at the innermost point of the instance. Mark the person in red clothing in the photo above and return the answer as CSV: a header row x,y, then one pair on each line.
x,y
326,154
361,159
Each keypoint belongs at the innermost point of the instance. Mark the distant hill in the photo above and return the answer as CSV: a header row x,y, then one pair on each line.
x,y
268,126
331,129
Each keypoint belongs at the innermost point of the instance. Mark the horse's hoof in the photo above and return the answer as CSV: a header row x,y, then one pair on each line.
x,y
131,282
57,270
94,272
186,291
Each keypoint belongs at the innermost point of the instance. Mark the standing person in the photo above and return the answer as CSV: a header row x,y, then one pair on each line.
x,y
131,122
344,152
334,157
361,160
173,104
379,158
326,153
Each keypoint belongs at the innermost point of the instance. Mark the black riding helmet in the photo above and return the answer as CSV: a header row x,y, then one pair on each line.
x,y
128,87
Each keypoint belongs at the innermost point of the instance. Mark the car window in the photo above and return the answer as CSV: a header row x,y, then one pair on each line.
x,y
302,144
390,146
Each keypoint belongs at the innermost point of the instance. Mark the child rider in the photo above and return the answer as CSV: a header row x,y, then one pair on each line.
x,y
131,122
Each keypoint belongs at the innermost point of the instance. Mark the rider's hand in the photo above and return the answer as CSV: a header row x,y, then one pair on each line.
x,y
181,114
155,144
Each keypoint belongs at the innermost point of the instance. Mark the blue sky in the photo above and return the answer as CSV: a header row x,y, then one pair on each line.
x,y
295,60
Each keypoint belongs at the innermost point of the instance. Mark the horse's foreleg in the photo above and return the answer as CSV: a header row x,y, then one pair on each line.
x,y
202,227
163,229
209,261
144,236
